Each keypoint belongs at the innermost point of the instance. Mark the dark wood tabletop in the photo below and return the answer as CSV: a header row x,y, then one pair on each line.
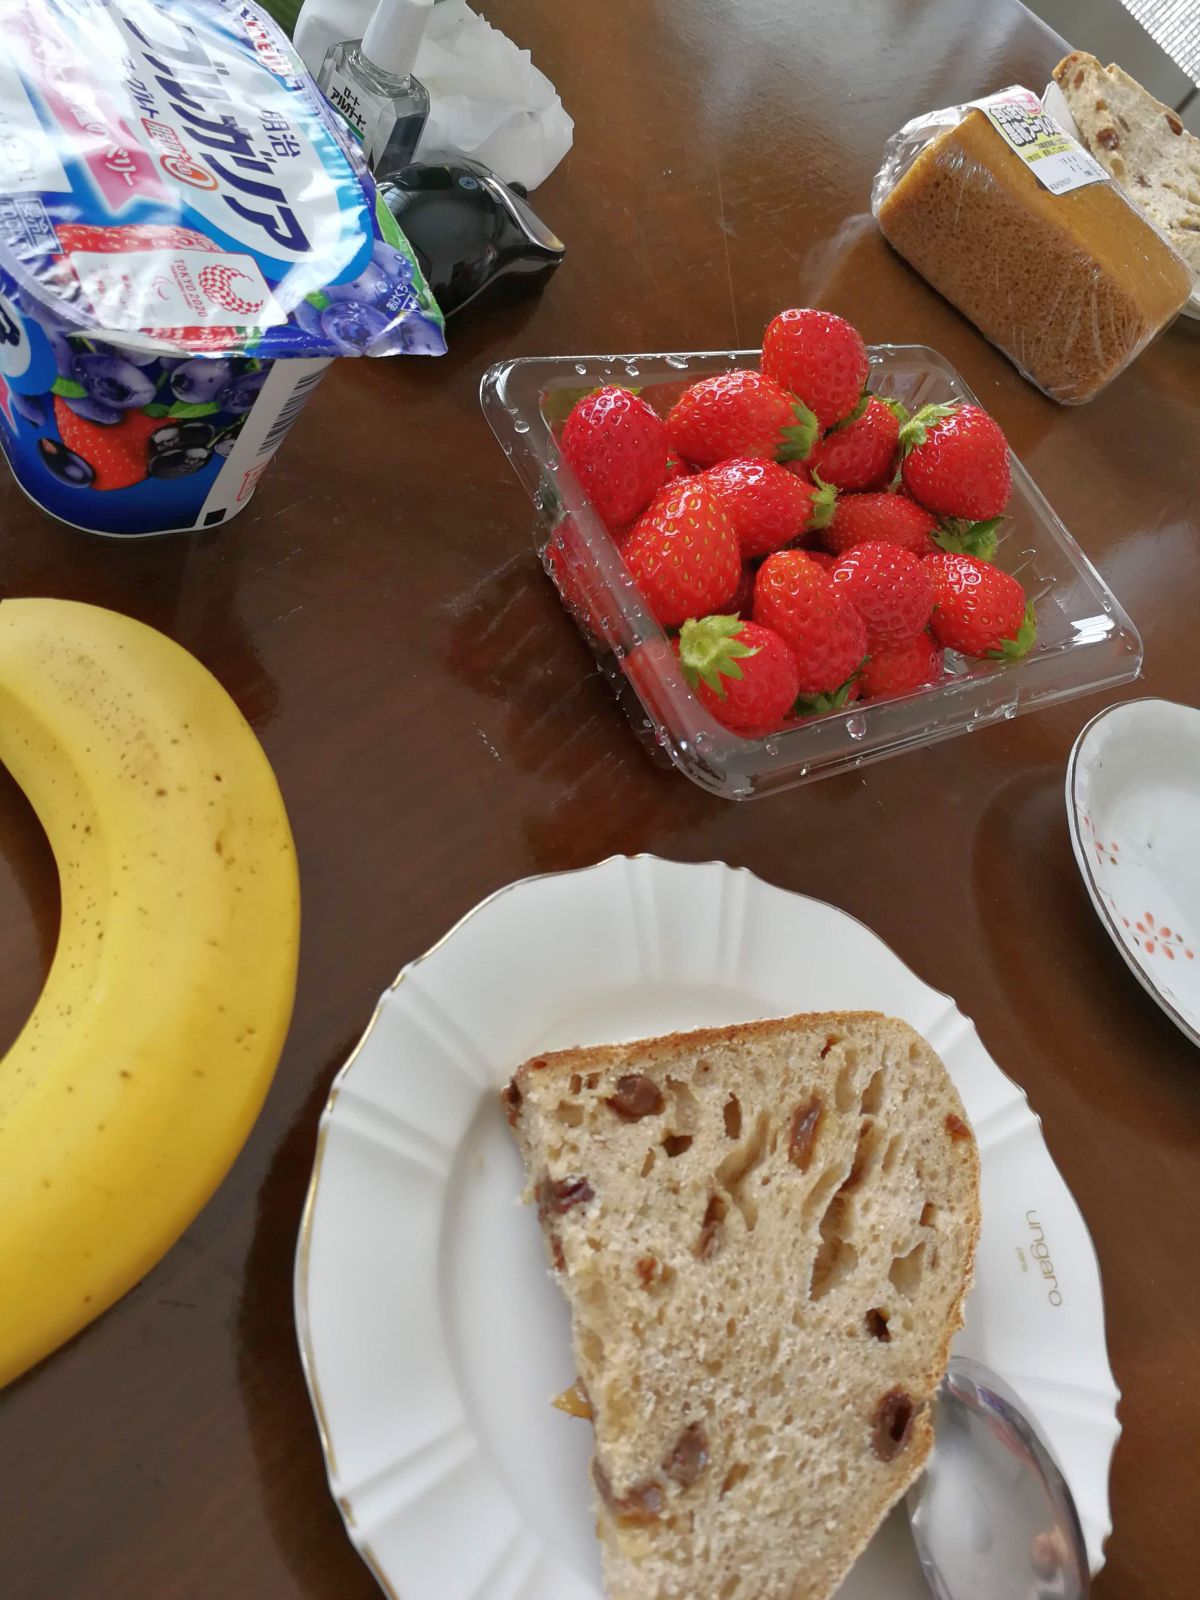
x,y
439,730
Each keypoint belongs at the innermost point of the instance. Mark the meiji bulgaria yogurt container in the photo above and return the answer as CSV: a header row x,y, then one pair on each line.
x,y
188,237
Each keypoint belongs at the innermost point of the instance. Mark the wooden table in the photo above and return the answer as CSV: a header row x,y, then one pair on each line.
x,y
438,730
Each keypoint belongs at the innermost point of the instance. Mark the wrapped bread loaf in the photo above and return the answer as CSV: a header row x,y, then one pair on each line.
x,y
1027,235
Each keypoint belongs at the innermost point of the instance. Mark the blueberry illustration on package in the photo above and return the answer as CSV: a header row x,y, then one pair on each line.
x,y
190,255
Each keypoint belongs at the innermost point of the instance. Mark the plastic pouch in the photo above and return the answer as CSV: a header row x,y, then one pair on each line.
x,y
1019,228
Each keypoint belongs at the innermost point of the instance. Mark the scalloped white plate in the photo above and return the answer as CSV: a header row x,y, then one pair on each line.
x,y
1133,806
431,1335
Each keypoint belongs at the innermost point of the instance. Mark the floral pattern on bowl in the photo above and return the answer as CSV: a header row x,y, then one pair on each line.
x,y
1133,806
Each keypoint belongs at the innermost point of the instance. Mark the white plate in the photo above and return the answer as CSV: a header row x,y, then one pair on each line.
x,y
1054,104
1133,805
431,1334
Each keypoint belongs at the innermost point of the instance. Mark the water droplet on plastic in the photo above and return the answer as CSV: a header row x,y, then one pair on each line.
x,y
661,736
1009,713
507,447
771,747
520,427
581,369
633,372
678,362
856,726
703,742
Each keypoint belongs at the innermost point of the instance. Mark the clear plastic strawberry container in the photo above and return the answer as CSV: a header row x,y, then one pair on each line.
x,y
1085,639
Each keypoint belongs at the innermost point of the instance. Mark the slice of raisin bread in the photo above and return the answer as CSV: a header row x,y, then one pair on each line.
x,y
1141,142
765,1234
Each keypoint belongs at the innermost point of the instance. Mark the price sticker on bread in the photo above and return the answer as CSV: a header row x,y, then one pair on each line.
x,y
1057,161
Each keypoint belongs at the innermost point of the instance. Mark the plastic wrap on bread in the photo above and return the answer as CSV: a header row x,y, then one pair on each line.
x,y
1015,224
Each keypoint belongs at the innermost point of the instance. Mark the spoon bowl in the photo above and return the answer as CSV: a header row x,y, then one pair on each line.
x,y
993,1517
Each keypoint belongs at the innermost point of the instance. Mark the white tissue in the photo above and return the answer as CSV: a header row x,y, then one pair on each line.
x,y
489,100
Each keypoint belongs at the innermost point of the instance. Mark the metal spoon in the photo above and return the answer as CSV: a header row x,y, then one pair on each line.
x,y
993,1518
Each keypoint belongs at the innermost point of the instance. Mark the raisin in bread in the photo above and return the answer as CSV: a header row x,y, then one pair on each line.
x,y
1141,142
765,1233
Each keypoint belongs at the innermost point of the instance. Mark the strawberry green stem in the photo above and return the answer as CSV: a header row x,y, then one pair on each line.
x,y
824,501
799,438
709,651
1026,636
916,430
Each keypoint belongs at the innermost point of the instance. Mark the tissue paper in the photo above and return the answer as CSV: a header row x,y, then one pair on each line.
x,y
489,100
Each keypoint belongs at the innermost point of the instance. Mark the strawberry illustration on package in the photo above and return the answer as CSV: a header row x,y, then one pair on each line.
x,y
188,237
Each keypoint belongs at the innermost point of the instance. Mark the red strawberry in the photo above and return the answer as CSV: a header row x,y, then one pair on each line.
x,y
956,462
890,590
825,633
823,560
860,454
880,519
820,358
903,668
677,469
767,506
683,554
738,414
578,579
742,673
616,446
978,609
118,454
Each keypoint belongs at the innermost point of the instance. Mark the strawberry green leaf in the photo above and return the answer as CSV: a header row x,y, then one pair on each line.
x,y
709,651
916,430
799,437
900,412
816,705
1022,644
319,299
864,400
185,408
155,410
824,502
68,388
960,536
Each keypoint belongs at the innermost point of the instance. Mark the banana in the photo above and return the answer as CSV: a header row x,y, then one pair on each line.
x,y
143,1066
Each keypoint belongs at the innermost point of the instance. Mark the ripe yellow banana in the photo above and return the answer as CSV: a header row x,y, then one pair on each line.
x,y
139,1074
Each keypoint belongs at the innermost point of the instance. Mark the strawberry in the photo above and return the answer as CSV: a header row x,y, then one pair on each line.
x,y
578,579
823,560
978,609
118,453
683,553
825,633
742,673
861,452
880,519
956,462
820,358
738,413
890,590
616,446
677,469
902,668
767,506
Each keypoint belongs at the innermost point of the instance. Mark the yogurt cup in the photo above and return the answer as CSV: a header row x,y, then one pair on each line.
x,y
188,237
188,458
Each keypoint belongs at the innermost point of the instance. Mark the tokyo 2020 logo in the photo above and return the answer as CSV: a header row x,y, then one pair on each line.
x,y
218,283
